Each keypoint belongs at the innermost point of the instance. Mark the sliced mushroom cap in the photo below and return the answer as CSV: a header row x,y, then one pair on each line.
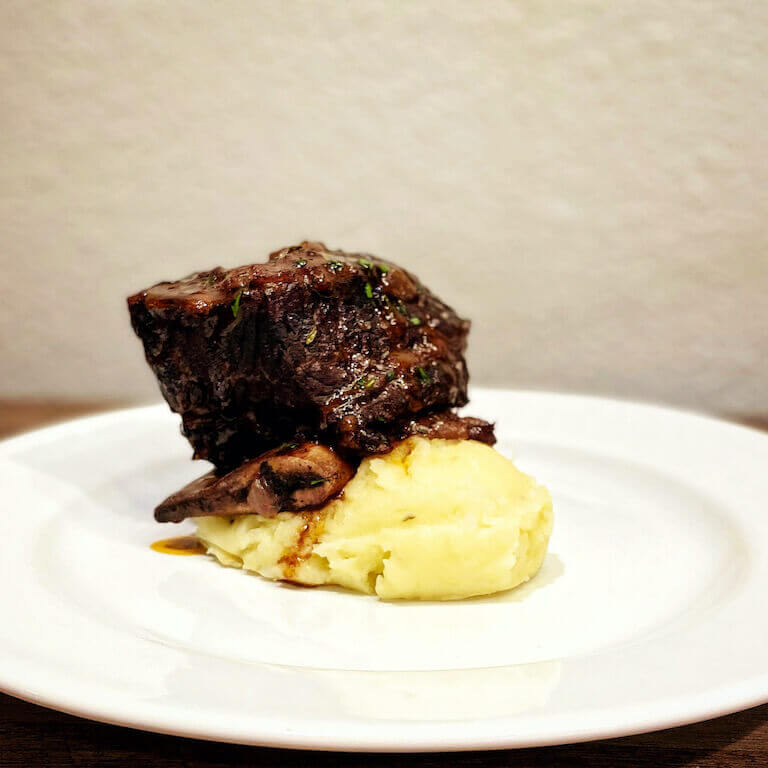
x,y
292,478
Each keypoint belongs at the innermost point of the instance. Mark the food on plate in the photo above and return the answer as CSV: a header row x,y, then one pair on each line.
x,y
322,386
313,344
432,519
290,478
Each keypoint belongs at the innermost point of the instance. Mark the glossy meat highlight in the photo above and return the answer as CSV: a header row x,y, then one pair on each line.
x,y
313,345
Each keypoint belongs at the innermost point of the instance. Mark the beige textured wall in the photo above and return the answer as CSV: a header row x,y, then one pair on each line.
x,y
587,180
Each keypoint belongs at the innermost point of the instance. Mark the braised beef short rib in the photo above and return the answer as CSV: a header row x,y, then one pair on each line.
x,y
314,345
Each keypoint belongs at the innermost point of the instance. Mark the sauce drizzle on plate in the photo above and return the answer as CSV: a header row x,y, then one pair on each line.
x,y
180,545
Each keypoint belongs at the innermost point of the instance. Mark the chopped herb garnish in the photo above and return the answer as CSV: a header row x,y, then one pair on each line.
x,y
401,307
423,375
415,321
335,266
381,420
370,381
287,446
311,336
211,279
360,383
369,290
364,263
301,263
383,268
236,304
390,375
317,481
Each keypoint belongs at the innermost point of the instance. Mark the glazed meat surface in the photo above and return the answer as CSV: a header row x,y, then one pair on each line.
x,y
447,425
313,345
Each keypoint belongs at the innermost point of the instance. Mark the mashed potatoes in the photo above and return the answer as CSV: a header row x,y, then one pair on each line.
x,y
431,520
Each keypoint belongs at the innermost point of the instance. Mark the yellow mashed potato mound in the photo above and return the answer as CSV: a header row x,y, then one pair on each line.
x,y
431,520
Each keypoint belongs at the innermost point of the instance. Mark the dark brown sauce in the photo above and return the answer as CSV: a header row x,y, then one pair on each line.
x,y
180,545
309,533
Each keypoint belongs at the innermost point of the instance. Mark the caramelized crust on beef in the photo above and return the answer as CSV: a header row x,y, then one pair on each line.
x,y
313,345
448,426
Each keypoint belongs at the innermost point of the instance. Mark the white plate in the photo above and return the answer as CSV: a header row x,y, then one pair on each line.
x,y
649,611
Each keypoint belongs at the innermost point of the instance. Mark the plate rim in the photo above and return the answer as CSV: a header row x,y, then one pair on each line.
x,y
267,733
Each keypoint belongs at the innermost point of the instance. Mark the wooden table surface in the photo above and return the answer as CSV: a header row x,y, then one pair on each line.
x,y
31,736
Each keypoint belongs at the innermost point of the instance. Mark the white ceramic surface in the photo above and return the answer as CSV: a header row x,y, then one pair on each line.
x,y
647,613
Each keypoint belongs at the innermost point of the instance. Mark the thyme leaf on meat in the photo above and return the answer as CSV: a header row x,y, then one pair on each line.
x,y
235,307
